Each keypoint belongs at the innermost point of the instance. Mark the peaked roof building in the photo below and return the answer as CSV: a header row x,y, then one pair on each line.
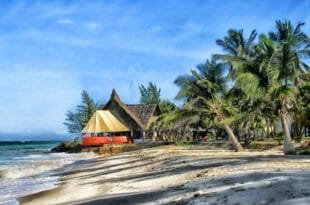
x,y
138,118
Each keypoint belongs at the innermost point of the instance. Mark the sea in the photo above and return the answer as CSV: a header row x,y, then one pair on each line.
x,y
28,167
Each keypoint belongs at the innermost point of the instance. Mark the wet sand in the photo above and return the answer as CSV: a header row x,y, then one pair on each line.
x,y
184,175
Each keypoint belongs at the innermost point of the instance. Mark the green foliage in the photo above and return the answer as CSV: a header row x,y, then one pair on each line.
x,y
204,92
268,72
279,138
149,94
236,44
167,106
250,85
292,152
303,152
203,82
301,116
76,120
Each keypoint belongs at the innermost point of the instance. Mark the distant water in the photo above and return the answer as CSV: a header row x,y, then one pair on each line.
x,y
28,167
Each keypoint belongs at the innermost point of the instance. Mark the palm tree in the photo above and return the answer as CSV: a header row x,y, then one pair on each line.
x,y
204,93
190,88
250,82
269,70
292,45
236,44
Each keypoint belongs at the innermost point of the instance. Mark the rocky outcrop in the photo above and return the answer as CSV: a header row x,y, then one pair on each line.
x,y
69,147
104,150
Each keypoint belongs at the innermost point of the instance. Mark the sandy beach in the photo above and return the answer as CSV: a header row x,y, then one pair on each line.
x,y
184,175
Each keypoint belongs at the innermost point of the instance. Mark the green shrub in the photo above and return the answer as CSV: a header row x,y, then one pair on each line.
x,y
304,152
292,152
279,138
187,143
211,138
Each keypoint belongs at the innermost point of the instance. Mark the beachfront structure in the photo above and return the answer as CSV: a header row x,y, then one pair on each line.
x,y
119,123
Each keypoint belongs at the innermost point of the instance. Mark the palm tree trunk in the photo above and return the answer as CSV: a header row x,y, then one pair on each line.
x,y
288,145
238,147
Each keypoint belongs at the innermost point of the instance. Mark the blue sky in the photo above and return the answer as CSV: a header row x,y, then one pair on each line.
x,y
51,50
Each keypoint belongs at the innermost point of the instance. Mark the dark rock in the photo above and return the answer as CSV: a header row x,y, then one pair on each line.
x,y
70,147
196,195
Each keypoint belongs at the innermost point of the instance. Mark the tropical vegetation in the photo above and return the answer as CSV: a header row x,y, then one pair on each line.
x,y
257,81
150,94
76,120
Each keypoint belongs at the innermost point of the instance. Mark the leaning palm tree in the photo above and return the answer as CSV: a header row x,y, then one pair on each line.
x,y
292,46
204,93
215,110
250,81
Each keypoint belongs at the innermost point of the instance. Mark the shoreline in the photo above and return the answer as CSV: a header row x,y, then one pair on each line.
x,y
173,174
65,183
28,168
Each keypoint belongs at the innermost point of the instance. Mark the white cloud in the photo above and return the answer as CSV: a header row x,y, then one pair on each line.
x,y
92,25
65,21
155,29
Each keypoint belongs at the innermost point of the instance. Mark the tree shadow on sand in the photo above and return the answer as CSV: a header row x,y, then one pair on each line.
x,y
178,167
251,188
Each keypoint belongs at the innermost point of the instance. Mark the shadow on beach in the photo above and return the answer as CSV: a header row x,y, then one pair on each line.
x,y
180,177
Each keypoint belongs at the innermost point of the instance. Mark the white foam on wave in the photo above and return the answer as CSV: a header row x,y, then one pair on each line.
x,y
35,164
33,173
15,188
31,169
15,172
9,202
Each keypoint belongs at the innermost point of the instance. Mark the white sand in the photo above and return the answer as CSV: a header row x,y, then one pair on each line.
x,y
184,175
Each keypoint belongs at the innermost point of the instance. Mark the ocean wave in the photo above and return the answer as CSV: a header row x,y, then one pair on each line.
x,y
31,165
34,164
26,168
11,189
26,142
9,202
33,169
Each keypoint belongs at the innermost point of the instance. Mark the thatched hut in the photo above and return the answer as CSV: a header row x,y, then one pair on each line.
x,y
119,123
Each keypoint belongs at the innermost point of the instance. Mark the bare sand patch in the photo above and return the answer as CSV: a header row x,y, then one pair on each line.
x,y
184,175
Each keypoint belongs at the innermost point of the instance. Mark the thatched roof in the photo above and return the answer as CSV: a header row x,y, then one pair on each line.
x,y
142,114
